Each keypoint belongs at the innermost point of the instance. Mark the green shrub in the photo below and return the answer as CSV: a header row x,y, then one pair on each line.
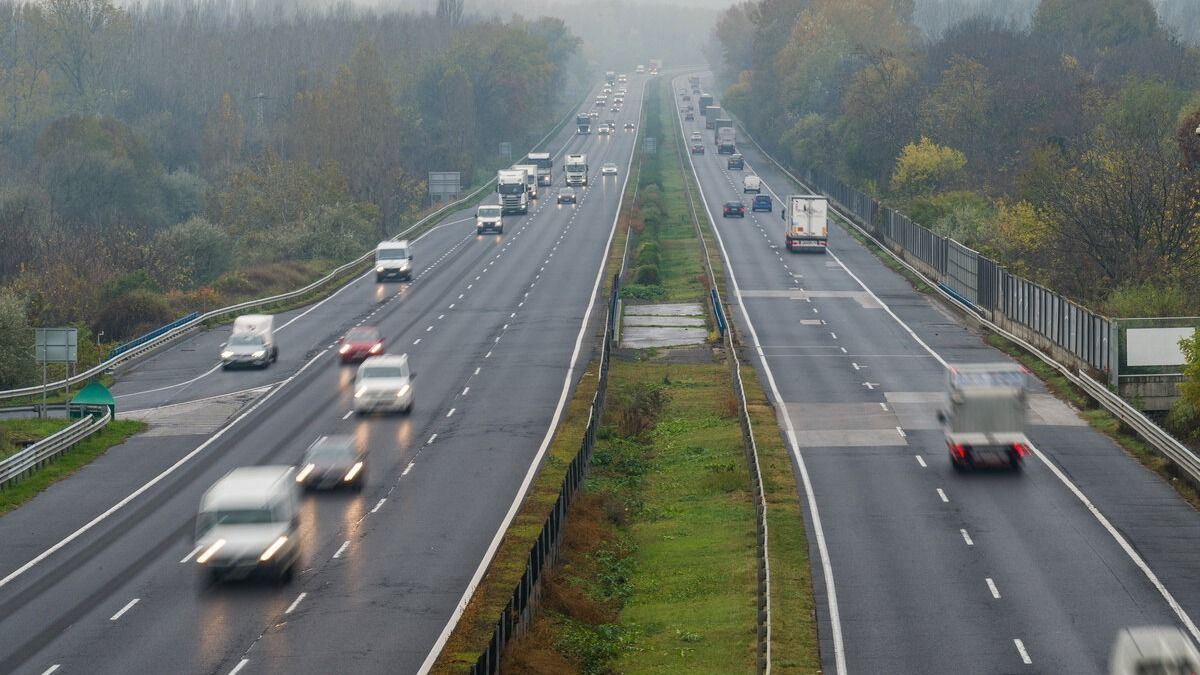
x,y
646,275
1138,299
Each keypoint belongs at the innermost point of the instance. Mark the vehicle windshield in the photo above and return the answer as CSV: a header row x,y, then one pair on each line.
x,y
489,211
330,452
391,254
512,188
379,372
576,167
245,340
362,335
544,163
229,517
566,191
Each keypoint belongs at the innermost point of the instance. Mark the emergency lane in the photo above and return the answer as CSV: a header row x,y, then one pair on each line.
x,y
491,349
917,568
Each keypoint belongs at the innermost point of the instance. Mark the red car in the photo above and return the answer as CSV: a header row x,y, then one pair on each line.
x,y
360,343
697,149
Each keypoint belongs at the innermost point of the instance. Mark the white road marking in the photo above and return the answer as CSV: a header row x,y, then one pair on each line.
x,y
464,391
883,405
52,669
380,503
900,431
429,329
348,414
431,440
478,369
341,549
128,606
966,537
417,341
921,461
408,468
238,668
942,494
191,555
992,587
441,316
833,334
1021,650
295,603
451,413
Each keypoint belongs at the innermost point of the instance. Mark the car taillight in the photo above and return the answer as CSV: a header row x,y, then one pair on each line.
x,y
958,450
1021,449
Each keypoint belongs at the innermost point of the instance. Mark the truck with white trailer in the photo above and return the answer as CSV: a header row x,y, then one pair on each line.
x,y
545,167
985,415
513,190
583,122
577,170
531,178
726,140
805,223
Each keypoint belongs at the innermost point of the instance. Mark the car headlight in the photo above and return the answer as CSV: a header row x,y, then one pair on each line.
x,y
343,349
404,265
379,268
353,471
259,354
375,348
304,473
227,354
273,549
210,551
402,392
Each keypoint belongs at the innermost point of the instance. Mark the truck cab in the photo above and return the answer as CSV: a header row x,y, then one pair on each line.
x,y
577,170
545,166
513,190
531,178
583,122
985,415
489,218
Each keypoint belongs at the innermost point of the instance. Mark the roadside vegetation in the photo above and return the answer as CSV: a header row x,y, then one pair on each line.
x,y
15,434
157,160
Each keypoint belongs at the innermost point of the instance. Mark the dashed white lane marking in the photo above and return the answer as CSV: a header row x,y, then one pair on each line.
x,y
464,391
128,606
417,341
380,503
942,495
238,668
295,603
478,369
921,461
341,549
52,669
429,329
451,413
883,405
833,335
1021,650
966,537
900,431
190,555
431,440
348,414
408,468
441,316
992,587
487,355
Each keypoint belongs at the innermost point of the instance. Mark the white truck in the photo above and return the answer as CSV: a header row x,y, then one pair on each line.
x,y
545,167
985,415
393,260
805,222
751,183
247,524
577,170
251,343
610,77
489,218
531,178
514,194
726,141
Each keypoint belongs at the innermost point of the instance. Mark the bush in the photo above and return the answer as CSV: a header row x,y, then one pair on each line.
x,y
133,313
646,275
641,292
637,407
202,249
1138,299
16,342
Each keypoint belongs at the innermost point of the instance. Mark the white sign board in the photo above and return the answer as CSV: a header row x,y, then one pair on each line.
x,y
1155,346
56,345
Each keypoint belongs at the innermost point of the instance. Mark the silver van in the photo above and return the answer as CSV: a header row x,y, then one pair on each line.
x,y
247,525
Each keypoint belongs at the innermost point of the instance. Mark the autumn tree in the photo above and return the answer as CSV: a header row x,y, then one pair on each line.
x,y
926,167
1095,24
223,135
89,39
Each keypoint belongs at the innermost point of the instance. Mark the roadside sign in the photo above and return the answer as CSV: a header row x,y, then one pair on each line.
x,y
444,185
56,345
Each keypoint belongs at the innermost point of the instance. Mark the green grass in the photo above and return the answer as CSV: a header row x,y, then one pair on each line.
x,y
16,434
82,454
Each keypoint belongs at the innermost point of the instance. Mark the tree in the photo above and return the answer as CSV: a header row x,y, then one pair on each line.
x,y
879,115
202,250
926,167
1185,413
90,39
223,135
958,111
1095,24
450,13
16,342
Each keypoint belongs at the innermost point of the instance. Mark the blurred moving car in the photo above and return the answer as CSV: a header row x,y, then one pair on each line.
x,y
736,162
332,462
603,130
608,169
247,525
251,342
697,148
630,126
762,203
360,343
1153,650
733,210
383,383
567,196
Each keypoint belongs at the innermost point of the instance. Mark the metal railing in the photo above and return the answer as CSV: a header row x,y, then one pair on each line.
x,y
143,339
24,462
184,328
1063,322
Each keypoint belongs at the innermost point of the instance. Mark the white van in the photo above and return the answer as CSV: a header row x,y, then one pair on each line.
x,y
393,260
383,383
1166,650
247,524
252,342
489,218
752,184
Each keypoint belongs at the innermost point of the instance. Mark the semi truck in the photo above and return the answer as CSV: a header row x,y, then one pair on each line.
x,y
805,223
985,415
577,170
531,178
545,167
610,77
584,122
513,191
726,140
655,66
694,80
704,101
711,113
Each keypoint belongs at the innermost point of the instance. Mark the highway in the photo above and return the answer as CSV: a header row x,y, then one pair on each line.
x,y
96,574
916,568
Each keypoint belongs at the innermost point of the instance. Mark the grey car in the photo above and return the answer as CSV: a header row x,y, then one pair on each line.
x,y
332,462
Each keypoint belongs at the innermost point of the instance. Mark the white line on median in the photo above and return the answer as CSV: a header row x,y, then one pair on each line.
x,y
128,606
295,603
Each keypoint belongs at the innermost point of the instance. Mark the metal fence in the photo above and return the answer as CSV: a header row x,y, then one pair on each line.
x,y
977,281
32,458
519,611
141,340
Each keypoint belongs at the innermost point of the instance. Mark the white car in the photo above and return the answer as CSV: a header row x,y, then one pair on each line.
x,y
383,383
608,169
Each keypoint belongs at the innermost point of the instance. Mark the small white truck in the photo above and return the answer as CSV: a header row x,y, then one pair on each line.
x,y
985,415
805,223
489,218
393,260
251,343
751,183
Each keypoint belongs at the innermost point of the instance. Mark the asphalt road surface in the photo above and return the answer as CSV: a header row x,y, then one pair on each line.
x,y
918,569
96,574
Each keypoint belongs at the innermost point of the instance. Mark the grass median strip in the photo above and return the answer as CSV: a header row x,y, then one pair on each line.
x,y
115,433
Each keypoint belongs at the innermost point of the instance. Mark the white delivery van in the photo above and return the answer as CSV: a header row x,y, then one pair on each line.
x,y
251,343
1164,650
489,218
752,184
383,383
393,260
247,524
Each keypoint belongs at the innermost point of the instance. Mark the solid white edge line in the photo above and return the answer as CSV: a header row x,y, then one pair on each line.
x,y
156,480
295,603
128,606
241,664
537,461
839,651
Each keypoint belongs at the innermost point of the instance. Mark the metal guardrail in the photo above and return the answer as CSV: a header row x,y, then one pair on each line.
x,y
142,339
1163,442
180,330
763,651
21,464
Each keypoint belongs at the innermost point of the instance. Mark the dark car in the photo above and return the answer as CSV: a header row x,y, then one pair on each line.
x,y
697,148
736,162
762,203
689,116
734,210
333,462
566,196
630,126
360,343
